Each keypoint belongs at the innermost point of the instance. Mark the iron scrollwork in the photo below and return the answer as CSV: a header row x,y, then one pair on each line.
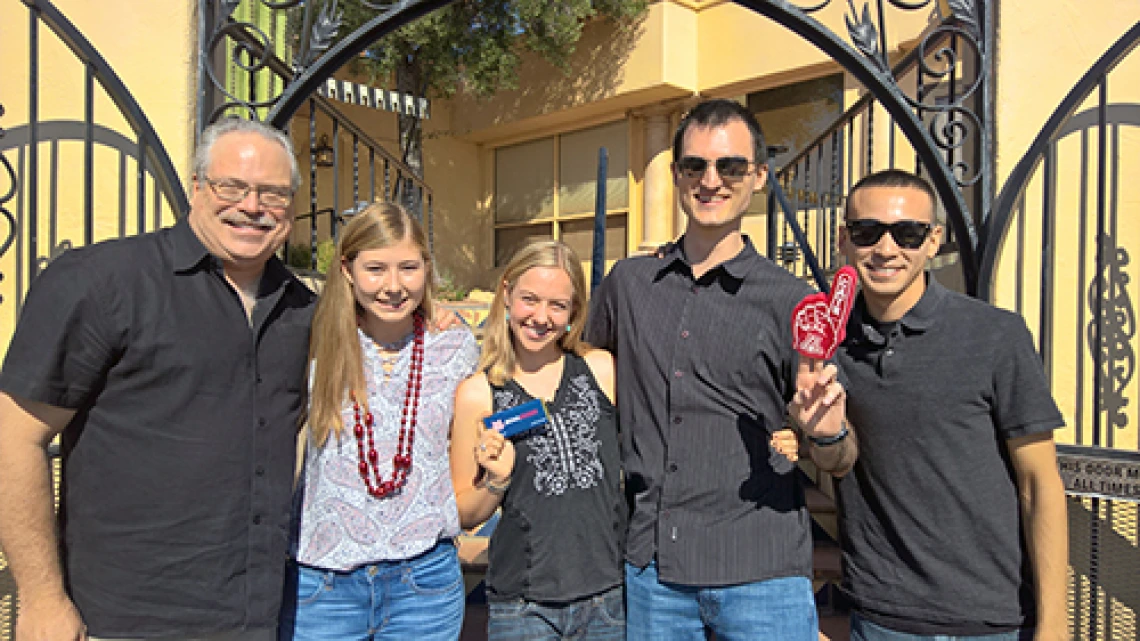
x,y
315,29
1115,328
252,49
321,33
954,120
8,174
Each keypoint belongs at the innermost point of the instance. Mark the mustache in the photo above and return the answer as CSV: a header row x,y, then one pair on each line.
x,y
264,222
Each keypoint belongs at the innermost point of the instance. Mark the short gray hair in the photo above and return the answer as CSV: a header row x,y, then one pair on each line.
x,y
231,125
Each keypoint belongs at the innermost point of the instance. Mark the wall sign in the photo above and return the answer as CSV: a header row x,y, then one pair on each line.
x,y
1100,472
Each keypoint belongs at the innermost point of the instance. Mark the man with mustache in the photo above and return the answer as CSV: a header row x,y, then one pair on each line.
x,y
173,364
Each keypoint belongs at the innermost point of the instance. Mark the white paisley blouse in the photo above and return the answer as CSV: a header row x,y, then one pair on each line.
x,y
342,527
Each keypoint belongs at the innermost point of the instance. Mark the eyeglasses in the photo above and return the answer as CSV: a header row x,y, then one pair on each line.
x,y
235,191
730,168
908,234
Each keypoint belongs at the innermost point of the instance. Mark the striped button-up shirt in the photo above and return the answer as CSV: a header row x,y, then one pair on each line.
x,y
705,371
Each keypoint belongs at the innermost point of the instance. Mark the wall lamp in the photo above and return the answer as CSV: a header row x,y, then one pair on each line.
x,y
323,153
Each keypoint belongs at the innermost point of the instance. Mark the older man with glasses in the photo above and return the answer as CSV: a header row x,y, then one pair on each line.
x,y
173,364
953,518
719,538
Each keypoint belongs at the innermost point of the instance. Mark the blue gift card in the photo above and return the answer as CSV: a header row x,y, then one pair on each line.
x,y
528,418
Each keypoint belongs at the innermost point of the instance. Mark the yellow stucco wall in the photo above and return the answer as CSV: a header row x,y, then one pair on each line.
x,y
741,51
155,59
1078,34
610,72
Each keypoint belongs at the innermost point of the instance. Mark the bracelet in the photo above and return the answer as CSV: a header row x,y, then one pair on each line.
x,y
831,440
494,488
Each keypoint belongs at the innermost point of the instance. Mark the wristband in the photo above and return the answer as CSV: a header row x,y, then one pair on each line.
x,y
831,440
495,488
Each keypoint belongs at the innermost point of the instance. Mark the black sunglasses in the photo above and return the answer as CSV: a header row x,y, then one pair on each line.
x,y
729,167
908,234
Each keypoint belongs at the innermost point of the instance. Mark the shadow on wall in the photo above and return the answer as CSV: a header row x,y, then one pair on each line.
x,y
593,74
59,181
1103,542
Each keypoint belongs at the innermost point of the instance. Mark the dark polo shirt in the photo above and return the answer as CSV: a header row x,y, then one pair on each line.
x,y
178,465
705,369
930,522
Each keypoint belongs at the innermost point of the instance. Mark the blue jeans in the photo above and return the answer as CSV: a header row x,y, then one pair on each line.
x,y
420,598
864,630
597,618
780,609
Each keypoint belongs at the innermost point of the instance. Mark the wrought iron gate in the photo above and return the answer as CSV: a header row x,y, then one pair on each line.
x,y
1064,209
939,98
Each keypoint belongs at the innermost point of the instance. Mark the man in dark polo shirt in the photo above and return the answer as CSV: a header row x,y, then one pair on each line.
x,y
173,363
953,519
719,537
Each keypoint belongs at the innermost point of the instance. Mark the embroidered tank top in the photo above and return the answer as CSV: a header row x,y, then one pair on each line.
x,y
563,519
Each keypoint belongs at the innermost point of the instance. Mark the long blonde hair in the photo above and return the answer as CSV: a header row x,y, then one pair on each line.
x,y
498,356
339,367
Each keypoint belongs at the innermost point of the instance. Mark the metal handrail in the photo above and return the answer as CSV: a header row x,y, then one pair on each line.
x,y
281,69
904,66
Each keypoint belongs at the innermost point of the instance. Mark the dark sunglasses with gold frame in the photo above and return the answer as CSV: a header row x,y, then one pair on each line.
x,y
730,168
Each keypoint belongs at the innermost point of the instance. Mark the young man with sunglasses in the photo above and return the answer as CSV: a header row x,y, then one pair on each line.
x,y
953,519
719,538
173,364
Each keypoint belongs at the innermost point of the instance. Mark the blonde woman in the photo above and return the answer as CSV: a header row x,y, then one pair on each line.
x,y
375,557
555,556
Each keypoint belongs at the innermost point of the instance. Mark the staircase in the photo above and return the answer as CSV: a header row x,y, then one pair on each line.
x,y
827,566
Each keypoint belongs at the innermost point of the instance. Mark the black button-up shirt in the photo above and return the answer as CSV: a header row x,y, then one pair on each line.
x,y
178,465
705,369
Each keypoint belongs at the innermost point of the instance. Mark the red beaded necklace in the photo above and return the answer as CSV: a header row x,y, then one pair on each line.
x,y
402,461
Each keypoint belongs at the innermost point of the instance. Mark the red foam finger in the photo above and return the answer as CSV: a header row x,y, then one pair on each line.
x,y
819,321
812,333
840,303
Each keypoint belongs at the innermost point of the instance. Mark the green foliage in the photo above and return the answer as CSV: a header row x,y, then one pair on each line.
x,y
301,257
477,44
448,289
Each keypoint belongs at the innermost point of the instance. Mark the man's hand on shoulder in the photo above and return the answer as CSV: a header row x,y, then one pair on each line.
x,y
445,319
49,619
